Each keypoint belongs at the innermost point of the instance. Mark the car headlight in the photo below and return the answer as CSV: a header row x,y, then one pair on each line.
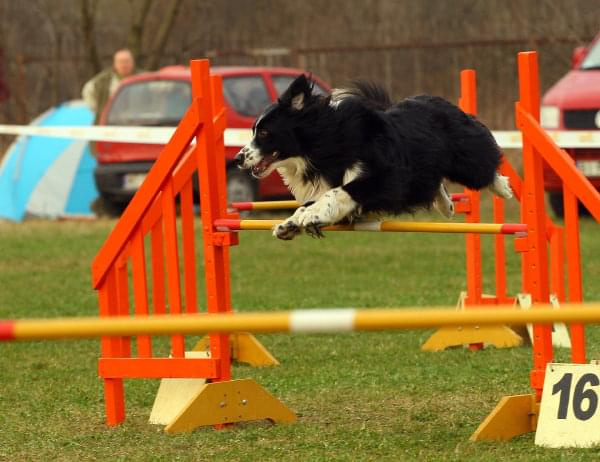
x,y
549,116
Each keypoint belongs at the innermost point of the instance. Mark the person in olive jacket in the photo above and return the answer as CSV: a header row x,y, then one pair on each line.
x,y
99,88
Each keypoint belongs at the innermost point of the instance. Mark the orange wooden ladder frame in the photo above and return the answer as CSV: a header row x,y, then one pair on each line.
x,y
515,415
153,212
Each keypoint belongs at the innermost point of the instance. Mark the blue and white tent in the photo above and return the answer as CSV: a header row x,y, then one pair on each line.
x,y
49,177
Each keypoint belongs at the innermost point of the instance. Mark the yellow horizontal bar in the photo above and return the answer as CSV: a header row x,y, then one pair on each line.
x,y
430,227
149,325
275,205
374,319
392,225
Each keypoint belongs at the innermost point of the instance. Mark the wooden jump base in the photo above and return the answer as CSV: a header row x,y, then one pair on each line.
x,y
333,320
228,224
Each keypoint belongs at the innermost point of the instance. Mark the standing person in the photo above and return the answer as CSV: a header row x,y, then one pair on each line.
x,y
99,88
96,92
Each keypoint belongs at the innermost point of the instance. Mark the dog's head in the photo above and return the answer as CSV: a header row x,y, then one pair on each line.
x,y
274,137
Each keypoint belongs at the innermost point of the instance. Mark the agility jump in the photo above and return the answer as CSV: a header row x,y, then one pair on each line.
x,y
165,299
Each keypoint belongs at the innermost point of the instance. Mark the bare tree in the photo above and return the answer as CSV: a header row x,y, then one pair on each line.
x,y
51,47
160,41
136,32
88,13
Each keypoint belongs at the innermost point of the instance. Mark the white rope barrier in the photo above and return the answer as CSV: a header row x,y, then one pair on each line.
x,y
509,139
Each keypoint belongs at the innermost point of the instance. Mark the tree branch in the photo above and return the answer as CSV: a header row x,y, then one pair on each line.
x,y
136,32
163,34
88,13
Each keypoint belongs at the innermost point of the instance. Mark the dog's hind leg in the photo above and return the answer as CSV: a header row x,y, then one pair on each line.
x,y
443,202
501,186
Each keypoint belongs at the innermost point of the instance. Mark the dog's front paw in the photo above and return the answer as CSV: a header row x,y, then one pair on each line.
x,y
290,228
312,221
287,230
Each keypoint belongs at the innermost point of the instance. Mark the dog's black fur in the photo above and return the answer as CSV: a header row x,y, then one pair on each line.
x,y
358,152
404,150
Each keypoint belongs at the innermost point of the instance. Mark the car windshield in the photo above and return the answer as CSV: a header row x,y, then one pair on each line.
x,y
151,103
282,82
247,95
592,59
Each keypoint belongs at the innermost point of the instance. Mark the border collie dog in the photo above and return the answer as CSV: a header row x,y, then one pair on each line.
x,y
356,152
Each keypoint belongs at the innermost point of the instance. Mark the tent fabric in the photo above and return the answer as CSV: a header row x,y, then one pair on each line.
x,y
46,176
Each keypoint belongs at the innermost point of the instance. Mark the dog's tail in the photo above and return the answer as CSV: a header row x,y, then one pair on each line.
x,y
368,93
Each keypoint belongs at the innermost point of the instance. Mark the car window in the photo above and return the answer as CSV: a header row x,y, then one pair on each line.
x,y
592,60
282,82
152,102
246,95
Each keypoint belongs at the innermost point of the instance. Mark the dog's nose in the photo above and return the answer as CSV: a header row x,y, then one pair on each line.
x,y
239,159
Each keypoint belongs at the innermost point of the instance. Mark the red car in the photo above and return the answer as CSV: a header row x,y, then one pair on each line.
x,y
160,99
573,103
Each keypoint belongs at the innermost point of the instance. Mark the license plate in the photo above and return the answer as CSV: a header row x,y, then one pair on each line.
x,y
132,181
589,167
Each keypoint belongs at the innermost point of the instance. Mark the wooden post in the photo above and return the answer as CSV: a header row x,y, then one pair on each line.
x,y
209,157
574,271
468,103
533,213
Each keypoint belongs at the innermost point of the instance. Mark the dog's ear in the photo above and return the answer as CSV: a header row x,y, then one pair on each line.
x,y
297,93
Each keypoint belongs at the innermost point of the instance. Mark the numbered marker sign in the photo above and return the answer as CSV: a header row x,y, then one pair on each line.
x,y
569,414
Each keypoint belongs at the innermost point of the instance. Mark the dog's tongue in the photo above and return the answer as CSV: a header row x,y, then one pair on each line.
x,y
261,166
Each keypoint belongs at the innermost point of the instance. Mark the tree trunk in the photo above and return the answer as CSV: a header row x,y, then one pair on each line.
x,y
88,13
136,32
163,34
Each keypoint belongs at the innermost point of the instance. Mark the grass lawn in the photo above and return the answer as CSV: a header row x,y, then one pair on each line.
x,y
360,396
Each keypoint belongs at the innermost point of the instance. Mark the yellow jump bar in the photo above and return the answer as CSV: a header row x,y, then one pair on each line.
x,y
314,320
384,226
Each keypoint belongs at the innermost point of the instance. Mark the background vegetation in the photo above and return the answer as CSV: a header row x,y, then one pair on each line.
x,y
49,48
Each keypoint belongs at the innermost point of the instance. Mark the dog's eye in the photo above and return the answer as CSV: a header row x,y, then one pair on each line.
x,y
262,133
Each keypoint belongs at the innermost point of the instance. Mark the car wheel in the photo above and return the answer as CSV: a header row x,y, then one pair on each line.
x,y
241,187
556,203
104,206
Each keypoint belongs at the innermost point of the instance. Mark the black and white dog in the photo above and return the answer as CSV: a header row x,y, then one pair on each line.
x,y
356,152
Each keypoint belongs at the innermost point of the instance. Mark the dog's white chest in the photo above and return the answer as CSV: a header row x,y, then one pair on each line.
x,y
292,173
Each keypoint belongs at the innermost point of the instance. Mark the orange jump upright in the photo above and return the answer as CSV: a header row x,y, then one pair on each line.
x,y
516,415
469,204
150,225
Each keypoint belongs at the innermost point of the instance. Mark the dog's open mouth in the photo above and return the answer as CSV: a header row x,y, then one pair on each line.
x,y
260,170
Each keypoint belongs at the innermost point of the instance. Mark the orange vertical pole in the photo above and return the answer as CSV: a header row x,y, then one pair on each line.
x,y
140,289
218,101
468,103
578,354
499,252
123,300
533,213
158,268
172,254
114,394
210,158
189,252
557,262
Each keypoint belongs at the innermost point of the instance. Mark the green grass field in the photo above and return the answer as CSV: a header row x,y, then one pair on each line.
x,y
360,396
